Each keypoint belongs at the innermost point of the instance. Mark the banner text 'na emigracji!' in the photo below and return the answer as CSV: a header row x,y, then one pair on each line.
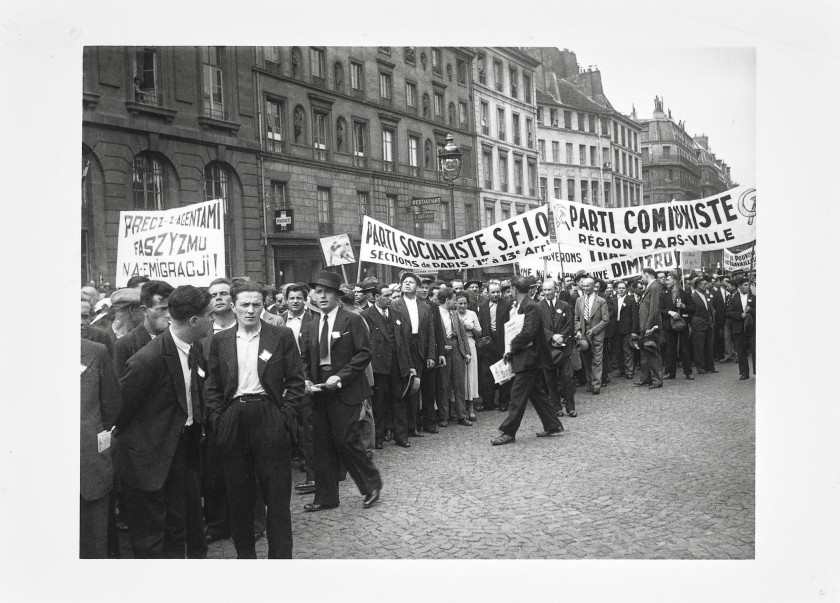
x,y
523,235
725,220
182,246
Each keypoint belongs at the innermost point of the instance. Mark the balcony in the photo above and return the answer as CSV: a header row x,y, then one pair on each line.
x,y
388,167
502,135
320,82
485,130
519,189
360,161
488,184
517,139
321,155
357,92
272,67
503,187
386,101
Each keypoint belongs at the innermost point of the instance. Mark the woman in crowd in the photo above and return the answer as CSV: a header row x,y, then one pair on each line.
x,y
470,321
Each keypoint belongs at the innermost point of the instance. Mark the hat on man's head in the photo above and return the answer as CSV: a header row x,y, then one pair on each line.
x,y
123,298
327,279
580,274
468,283
369,284
425,280
407,274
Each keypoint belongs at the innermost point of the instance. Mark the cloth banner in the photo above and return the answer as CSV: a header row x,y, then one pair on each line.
x,y
725,220
503,243
337,250
621,267
182,246
739,261
691,260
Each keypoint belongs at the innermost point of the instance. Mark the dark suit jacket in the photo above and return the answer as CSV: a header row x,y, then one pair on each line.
x,y
702,314
385,342
613,310
349,355
100,404
153,415
528,348
426,344
278,367
668,306
624,318
599,317
649,307
99,336
127,346
564,295
561,321
502,316
720,306
735,311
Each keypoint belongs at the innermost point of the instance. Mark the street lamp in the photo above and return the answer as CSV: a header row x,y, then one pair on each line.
x,y
449,160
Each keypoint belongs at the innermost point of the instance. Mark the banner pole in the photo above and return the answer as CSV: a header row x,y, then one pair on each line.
x,y
344,272
359,272
752,260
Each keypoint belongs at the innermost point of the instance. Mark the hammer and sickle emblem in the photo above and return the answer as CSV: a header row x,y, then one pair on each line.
x,y
747,212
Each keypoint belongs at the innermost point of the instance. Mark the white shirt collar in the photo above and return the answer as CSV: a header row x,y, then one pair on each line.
x,y
181,345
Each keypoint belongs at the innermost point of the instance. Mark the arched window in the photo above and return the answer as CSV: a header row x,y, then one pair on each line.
x,y
217,185
149,184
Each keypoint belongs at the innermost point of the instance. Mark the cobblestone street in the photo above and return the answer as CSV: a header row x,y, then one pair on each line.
x,y
639,474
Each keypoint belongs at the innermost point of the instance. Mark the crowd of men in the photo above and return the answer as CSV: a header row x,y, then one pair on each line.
x,y
196,402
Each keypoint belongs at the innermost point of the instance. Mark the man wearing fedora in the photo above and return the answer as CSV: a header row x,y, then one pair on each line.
x,y
334,361
591,319
389,335
647,323
676,304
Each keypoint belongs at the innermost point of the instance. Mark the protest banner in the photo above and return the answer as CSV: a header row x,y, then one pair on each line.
x,y
620,267
725,220
503,243
690,260
739,261
337,250
182,246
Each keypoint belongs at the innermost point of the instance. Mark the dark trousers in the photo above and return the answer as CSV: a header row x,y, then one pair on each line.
x,y
193,516
426,395
93,528
304,424
651,365
450,383
387,395
216,512
528,384
157,524
552,384
254,444
678,346
703,334
745,343
338,441
623,354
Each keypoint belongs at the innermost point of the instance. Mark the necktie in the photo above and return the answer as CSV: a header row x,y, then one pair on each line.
x,y
324,343
385,313
586,308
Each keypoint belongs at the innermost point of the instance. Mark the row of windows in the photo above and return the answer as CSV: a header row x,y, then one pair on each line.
x,y
501,130
587,122
352,139
149,180
513,81
502,179
588,191
504,211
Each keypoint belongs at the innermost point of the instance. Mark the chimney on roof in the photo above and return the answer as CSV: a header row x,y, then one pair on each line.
x,y
589,82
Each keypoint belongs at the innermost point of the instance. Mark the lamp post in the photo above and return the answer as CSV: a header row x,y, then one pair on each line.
x,y
449,160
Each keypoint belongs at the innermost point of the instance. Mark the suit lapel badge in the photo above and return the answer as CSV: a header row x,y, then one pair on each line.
x,y
265,355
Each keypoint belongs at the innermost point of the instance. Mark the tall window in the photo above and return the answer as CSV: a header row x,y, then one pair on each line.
x,y
359,143
462,71
543,187
567,120
411,95
581,122
557,182
317,65
570,153
388,149
517,174
445,224
505,212
515,122
213,93
462,114
278,194
481,64
592,123
593,156
526,87
414,155
216,187
514,82
391,206
542,148
324,210
607,199
319,135
274,125
385,86
582,153
666,151
485,118
437,61
617,162
532,178
145,81
552,115
438,104
500,122
487,164
489,215
529,133
595,197
357,80
498,76
584,191
148,183
503,172
555,151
